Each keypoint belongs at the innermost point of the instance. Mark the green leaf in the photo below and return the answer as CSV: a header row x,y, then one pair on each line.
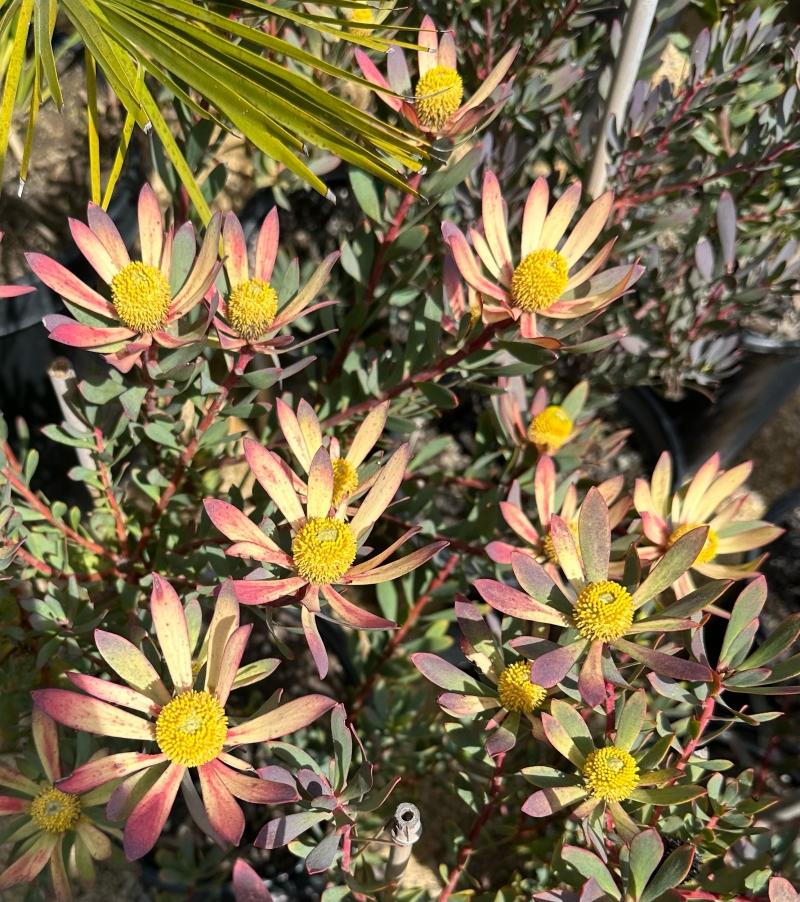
x,y
631,720
527,352
162,435
667,795
671,874
342,746
646,853
131,401
438,395
777,642
589,865
747,608
366,193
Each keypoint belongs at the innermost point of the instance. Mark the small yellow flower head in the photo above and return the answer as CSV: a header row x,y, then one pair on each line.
x,y
550,428
603,611
323,550
191,729
709,550
141,297
539,280
55,811
362,15
345,479
550,548
610,774
251,308
516,691
445,85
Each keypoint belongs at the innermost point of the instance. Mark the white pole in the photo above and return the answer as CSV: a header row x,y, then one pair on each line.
x,y
634,40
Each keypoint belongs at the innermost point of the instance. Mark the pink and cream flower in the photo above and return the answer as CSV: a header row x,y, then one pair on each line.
x,y
46,815
710,499
324,543
434,105
187,723
303,434
149,297
539,542
545,279
248,314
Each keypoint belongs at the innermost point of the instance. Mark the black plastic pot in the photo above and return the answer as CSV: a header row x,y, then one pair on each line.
x,y
695,427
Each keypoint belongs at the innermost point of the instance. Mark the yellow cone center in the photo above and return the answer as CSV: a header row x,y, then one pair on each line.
x,y
323,550
345,480
191,729
603,611
610,774
141,297
516,691
550,428
550,548
55,811
539,280
251,308
709,550
438,96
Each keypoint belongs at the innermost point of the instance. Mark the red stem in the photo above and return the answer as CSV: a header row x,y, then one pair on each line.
x,y
105,478
185,460
466,850
399,636
375,275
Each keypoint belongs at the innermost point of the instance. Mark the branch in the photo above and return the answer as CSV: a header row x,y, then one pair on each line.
x,y
105,478
392,645
466,850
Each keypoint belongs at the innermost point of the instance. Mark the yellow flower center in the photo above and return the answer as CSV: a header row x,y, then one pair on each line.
x,y
55,811
323,550
345,479
362,15
438,96
709,550
603,611
516,691
141,297
191,729
549,547
251,308
539,280
550,428
610,774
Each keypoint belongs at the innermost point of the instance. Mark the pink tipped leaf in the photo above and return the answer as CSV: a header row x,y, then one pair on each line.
x,y
32,861
352,615
249,540
147,819
107,691
224,812
45,738
282,830
267,246
81,712
549,669
396,568
131,664
294,715
235,250
382,492
94,250
268,471
103,226
516,604
169,621
247,885
151,227
111,767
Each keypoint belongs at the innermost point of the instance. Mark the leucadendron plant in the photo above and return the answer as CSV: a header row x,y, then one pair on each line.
x,y
367,472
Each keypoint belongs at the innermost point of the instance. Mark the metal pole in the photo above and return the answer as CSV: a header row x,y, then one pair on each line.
x,y
406,829
634,41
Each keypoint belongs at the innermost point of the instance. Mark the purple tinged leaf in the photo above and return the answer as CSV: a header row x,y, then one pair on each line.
x,y
746,609
551,668
283,830
672,873
591,684
591,891
704,259
476,631
320,858
504,737
247,885
516,604
700,55
547,801
668,665
447,675
778,641
673,565
538,583
780,890
466,705
594,534
726,223
647,851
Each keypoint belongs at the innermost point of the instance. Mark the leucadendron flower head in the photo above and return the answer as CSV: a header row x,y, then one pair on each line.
x,y
710,500
434,103
543,280
187,723
539,542
251,310
507,685
324,544
303,434
555,429
608,770
148,298
597,613
49,821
